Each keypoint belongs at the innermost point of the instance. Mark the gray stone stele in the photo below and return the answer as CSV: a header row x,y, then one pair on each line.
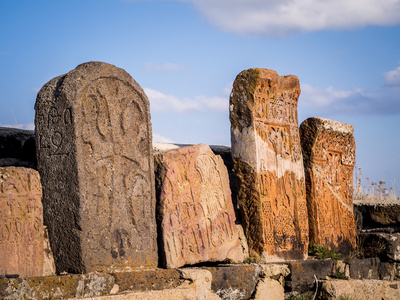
x,y
94,152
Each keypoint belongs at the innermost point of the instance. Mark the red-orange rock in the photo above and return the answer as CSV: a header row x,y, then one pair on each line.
x,y
268,163
21,222
195,213
329,158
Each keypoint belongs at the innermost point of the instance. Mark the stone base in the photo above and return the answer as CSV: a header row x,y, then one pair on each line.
x,y
219,282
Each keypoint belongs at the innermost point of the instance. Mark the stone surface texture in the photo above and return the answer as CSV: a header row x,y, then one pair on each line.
x,y
234,281
301,278
21,222
329,157
270,289
194,209
360,289
374,214
17,148
268,163
94,151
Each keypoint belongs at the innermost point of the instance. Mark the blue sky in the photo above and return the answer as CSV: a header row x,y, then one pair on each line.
x,y
187,53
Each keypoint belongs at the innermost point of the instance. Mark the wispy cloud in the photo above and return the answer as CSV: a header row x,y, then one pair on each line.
x,y
277,17
167,103
166,67
158,138
29,126
330,101
392,78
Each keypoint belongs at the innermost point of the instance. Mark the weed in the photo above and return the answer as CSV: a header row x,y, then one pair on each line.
x,y
375,191
253,258
339,275
322,252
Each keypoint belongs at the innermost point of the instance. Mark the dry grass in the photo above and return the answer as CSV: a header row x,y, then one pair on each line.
x,y
373,191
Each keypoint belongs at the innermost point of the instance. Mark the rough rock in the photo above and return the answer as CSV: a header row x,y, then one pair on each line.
x,y
269,289
21,227
94,151
378,215
372,268
195,214
329,158
301,278
360,289
268,163
234,281
17,148
384,245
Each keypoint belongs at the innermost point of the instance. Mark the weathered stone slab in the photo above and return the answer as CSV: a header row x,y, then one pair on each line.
x,y
94,150
268,163
194,208
234,281
17,148
375,214
21,222
301,278
329,158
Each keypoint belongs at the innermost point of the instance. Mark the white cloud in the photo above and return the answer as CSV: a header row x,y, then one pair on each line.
x,y
165,102
276,17
331,100
161,139
163,67
392,78
29,126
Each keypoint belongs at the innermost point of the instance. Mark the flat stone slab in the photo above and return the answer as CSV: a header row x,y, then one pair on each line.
x,y
219,282
194,208
88,285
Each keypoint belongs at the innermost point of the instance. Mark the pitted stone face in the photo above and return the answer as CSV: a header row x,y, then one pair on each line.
x,y
195,210
21,222
329,159
94,152
268,163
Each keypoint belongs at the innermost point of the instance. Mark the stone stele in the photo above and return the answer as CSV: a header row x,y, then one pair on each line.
x,y
268,164
21,222
329,157
94,151
194,209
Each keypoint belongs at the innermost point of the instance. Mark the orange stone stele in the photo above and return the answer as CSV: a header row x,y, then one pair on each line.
x,y
329,158
195,213
21,222
268,163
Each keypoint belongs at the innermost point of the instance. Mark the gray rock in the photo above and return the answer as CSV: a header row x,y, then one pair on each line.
x,y
94,150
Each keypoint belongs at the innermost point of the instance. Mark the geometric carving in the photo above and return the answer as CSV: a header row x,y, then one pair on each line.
x,y
94,150
329,159
194,208
268,163
21,222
